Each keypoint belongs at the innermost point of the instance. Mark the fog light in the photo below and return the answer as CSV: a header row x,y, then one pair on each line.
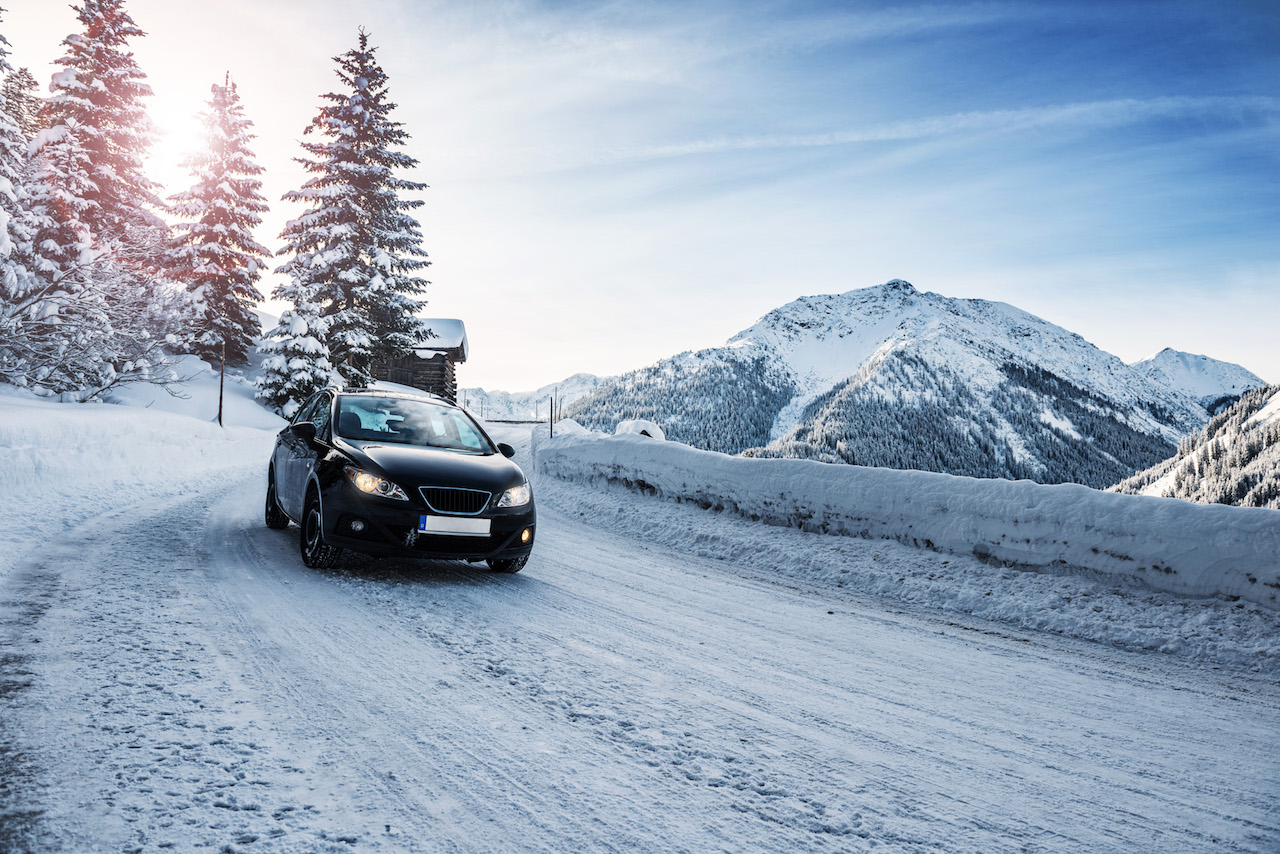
x,y
526,535
357,526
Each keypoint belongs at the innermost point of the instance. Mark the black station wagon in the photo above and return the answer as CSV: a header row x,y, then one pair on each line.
x,y
385,473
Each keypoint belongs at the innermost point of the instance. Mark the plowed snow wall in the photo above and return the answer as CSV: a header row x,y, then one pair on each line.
x,y
1198,550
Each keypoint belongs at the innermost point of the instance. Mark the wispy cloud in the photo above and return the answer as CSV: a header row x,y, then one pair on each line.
x,y
1089,115
861,25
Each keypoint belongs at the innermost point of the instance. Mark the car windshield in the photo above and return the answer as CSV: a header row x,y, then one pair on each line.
x,y
409,422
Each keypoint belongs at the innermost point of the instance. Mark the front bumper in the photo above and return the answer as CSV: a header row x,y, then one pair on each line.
x,y
391,528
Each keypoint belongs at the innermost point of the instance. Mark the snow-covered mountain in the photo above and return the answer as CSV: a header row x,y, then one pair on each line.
x,y
1214,383
890,376
1235,459
527,405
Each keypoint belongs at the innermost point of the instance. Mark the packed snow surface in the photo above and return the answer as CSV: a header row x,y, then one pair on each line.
x,y
61,464
661,677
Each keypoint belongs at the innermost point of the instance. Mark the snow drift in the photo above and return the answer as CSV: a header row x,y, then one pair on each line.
x,y
1168,544
63,463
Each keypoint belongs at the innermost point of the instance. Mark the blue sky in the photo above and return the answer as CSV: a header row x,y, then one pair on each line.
x,y
612,183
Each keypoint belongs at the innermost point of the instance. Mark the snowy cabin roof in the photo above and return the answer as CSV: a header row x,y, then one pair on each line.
x,y
450,334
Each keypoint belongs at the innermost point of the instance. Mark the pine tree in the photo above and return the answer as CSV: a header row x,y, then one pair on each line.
x,y
101,89
22,308
52,322
80,312
297,361
13,274
75,320
18,94
356,251
13,161
215,256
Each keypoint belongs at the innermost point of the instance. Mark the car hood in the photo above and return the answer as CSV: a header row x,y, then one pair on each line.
x,y
412,466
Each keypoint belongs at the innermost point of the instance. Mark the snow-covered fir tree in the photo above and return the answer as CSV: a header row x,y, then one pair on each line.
x,y
57,189
52,321
296,362
19,307
101,89
355,253
80,311
18,93
215,255
13,161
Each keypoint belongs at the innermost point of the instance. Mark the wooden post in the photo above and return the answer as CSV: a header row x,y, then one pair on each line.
x,y
222,376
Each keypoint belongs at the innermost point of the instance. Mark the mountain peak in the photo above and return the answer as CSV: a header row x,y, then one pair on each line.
x,y
1208,380
888,375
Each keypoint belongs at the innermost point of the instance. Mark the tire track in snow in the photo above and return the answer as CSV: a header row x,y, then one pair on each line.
x,y
140,734
489,783
480,632
24,598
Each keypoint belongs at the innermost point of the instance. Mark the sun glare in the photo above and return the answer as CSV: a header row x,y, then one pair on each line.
x,y
179,135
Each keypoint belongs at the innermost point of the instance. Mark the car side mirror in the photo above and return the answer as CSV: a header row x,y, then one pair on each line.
x,y
506,450
305,430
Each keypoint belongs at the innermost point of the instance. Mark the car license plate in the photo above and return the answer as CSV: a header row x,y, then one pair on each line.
x,y
453,526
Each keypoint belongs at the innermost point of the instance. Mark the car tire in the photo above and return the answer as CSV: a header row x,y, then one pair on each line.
x,y
508,564
316,553
275,517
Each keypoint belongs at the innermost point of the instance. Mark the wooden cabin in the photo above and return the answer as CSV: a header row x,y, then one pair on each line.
x,y
432,366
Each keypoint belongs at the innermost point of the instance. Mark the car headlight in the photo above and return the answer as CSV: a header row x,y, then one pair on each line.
x,y
516,496
372,484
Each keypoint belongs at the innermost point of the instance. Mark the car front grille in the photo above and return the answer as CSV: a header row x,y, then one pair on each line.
x,y
455,502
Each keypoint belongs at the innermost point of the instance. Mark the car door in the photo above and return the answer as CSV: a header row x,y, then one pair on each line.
x,y
314,451
295,458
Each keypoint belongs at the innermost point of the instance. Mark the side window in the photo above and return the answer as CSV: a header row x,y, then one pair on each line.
x,y
305,411
322,415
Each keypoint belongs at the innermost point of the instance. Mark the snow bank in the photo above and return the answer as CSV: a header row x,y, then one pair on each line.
x,y
641,427
62,463
197,396
1168,544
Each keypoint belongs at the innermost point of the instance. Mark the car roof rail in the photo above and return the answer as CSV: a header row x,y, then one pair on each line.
x,y
417,392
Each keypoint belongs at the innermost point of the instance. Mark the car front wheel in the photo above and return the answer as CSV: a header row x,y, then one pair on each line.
x,y
510,564
316,553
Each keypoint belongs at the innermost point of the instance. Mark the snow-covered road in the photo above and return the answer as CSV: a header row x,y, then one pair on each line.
x,y
174,678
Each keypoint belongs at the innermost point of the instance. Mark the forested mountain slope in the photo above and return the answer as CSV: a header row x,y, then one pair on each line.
x,y
1234,459
527,405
